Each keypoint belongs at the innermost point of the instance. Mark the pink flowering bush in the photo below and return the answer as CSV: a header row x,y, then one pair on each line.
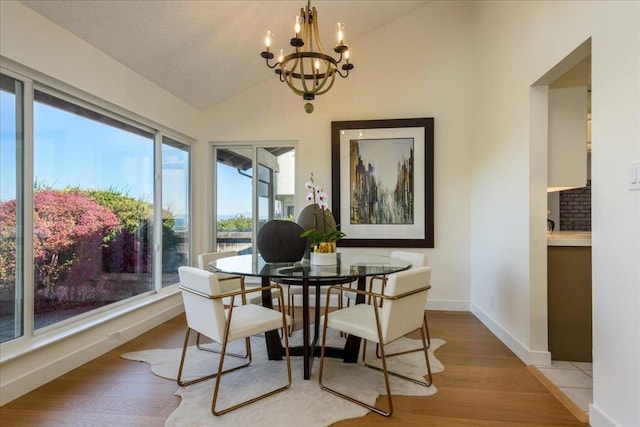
x,y
7,244
62,220
85,244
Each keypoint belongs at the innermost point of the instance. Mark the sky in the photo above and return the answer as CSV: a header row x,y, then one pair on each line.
x,y
7,147
233,192
73,151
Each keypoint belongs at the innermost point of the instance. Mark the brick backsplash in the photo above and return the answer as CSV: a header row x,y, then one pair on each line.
x,y
575,209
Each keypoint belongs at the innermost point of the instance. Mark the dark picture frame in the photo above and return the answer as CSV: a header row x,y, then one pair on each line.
x,y
365,155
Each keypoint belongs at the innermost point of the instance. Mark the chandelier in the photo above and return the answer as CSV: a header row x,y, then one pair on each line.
x,y
307,70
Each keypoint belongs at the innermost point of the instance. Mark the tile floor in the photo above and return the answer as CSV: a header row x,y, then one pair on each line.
x,y
574,379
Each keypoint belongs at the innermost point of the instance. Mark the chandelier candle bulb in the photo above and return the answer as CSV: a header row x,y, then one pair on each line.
x,y
297,26
267,40
340,33
281,56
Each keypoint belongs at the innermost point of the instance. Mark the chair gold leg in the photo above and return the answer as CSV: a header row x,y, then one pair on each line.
x,y
206,377
213,350
426,344
255,399
349,398
426,328
385,371
425,348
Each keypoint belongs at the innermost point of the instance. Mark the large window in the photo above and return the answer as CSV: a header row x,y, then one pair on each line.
x,y
106,228
245,201
92,210
11,252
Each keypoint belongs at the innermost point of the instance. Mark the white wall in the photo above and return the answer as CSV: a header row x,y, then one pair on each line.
x,y
415,67
518,42
34,42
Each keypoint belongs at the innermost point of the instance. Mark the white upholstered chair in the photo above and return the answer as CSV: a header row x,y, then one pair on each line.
x,y
392,314
377,283
230,282
207,315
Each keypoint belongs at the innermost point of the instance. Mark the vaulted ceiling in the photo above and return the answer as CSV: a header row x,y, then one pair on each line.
x,y
206,51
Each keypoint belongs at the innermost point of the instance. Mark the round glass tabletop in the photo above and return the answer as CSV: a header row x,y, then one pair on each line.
x,y
348,265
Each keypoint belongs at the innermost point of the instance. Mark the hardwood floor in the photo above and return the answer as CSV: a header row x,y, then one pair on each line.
x,y
484,384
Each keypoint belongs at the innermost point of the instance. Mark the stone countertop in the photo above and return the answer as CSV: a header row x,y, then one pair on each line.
x,y
569,238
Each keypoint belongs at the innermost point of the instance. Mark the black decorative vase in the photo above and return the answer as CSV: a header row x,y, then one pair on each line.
x,y
280,241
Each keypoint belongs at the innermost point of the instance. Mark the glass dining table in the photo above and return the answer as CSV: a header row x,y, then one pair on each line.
x,y
350,267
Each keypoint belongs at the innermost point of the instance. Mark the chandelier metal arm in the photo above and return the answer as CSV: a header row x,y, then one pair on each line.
x,y
344,76
267,58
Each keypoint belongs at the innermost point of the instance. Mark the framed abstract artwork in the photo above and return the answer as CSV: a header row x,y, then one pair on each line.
x,y
382,182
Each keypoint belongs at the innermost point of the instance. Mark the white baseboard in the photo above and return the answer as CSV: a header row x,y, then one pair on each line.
x,y
597,418
528,356
36,369
448,305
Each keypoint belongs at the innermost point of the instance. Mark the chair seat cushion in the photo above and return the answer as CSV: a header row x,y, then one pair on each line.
x,y
252,319
359,320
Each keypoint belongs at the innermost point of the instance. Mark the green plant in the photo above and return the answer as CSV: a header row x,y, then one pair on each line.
x,y
237,223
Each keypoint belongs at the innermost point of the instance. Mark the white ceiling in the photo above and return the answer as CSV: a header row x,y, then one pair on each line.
x,y
206,51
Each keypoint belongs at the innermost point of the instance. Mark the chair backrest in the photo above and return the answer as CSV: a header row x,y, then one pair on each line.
x,y
404,315
415,258
206,258
204,315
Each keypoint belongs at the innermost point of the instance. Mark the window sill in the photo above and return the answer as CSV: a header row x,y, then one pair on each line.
x,y
22,346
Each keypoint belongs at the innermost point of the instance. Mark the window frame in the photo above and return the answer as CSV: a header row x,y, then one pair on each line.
x,y
33,339
254,146
19,280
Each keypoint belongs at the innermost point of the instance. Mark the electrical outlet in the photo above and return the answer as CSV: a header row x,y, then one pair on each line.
x,y
634,176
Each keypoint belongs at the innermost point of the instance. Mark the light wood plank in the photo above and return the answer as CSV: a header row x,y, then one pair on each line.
x,y
484,384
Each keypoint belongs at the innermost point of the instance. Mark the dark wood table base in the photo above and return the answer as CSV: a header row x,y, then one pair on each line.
x,y
311,348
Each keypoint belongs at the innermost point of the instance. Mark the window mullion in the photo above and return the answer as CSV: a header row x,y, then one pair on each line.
x,y
157,212
255,209
25,229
